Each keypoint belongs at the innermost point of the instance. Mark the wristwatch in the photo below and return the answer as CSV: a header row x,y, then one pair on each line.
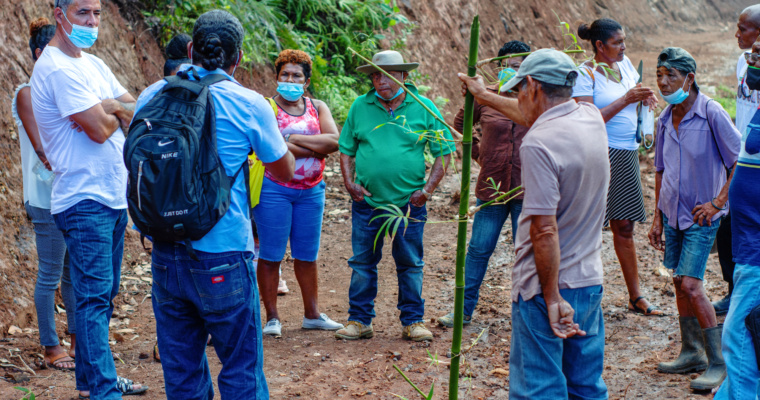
x,y
287,137
425,193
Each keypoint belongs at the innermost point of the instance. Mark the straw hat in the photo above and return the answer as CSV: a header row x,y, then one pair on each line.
x,y
389,60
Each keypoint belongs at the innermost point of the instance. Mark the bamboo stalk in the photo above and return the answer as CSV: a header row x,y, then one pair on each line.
x,y
488,60
464,202
453,131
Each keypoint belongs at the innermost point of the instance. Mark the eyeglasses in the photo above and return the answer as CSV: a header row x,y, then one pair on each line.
x,y
751,58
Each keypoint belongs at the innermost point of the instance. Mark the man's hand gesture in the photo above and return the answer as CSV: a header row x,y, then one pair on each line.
x,y
561,319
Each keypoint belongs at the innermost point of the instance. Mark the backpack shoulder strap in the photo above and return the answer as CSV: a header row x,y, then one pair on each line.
x,y
274,106
712,131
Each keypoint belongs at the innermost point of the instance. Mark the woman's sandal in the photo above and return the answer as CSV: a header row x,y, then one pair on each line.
x,y
649,312
56,361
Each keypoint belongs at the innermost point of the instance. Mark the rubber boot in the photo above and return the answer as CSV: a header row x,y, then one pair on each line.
x,y
716,369
692,357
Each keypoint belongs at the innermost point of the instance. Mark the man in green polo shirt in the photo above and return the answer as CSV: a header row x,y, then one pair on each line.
x,y
382,158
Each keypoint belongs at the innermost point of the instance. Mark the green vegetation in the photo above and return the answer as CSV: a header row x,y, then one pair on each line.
x,y
324,29
727,98
28,394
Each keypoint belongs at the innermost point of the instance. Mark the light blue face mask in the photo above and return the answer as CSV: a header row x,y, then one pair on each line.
x,y
400,90
677,97
505,75
290,91
81,36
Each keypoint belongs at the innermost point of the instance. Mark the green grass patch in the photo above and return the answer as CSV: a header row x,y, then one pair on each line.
x,y
727,98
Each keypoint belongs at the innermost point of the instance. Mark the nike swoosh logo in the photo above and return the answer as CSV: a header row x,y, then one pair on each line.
x,y
162,143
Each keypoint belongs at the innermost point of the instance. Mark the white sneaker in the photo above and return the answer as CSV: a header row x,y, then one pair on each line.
x,y
323,322
273,328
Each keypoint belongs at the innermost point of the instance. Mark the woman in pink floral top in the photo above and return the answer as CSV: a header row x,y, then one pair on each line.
x,y
293,210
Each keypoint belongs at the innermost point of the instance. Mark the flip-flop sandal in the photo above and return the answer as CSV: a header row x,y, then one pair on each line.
x,y
126,387
649,312
156,356
58,359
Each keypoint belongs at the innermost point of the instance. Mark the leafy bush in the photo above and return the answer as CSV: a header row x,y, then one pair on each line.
x,y
322,28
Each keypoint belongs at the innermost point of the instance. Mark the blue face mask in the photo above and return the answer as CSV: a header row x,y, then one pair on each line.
x,y
290,91
400,90
81,36
677,97
505,75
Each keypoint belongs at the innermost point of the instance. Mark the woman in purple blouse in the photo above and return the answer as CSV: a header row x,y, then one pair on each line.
x,y
696,143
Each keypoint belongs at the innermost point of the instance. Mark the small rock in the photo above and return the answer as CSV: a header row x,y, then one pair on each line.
x,y
144,356
14,330
499,372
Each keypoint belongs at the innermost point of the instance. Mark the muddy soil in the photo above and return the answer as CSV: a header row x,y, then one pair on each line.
x,y
312,365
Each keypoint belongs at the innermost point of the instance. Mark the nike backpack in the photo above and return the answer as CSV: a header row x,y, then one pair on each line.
x,y
178,188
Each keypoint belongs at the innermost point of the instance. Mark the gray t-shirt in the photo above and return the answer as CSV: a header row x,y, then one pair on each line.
x,y
566,172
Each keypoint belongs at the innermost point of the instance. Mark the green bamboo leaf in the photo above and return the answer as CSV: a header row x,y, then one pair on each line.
x,y
395,227
379,234
381,216
430,395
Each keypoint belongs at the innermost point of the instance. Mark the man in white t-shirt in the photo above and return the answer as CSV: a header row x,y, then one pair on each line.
x,y
80,110
747,102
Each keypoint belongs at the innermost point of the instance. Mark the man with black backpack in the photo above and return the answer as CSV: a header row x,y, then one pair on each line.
x,y
189,145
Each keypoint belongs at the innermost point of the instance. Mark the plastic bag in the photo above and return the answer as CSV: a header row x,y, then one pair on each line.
x,y
255,178
647,126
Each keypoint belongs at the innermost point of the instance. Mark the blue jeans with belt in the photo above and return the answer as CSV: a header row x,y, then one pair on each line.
x,y
94,235
192,299
486,229
543,366
53,267
407,253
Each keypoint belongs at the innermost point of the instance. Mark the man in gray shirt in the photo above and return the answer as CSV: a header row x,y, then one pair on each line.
x,y
557,321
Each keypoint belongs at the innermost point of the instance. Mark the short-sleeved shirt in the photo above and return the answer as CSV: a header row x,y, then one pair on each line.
x,y
84,169
36,192
566,174
621,129
244,122
743,196
690,162
389,147
747,100
497,150
308,170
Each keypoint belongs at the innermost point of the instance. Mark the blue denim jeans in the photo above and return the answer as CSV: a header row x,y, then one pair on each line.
x,y
284,213
53,267
192,299
741,361
686,251
543,366
486,229
94,235
407,253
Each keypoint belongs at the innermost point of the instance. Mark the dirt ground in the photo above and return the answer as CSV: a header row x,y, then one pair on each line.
x,y
313,365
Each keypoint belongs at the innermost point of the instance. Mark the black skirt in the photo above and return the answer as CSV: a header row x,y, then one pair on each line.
x,y
625,200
